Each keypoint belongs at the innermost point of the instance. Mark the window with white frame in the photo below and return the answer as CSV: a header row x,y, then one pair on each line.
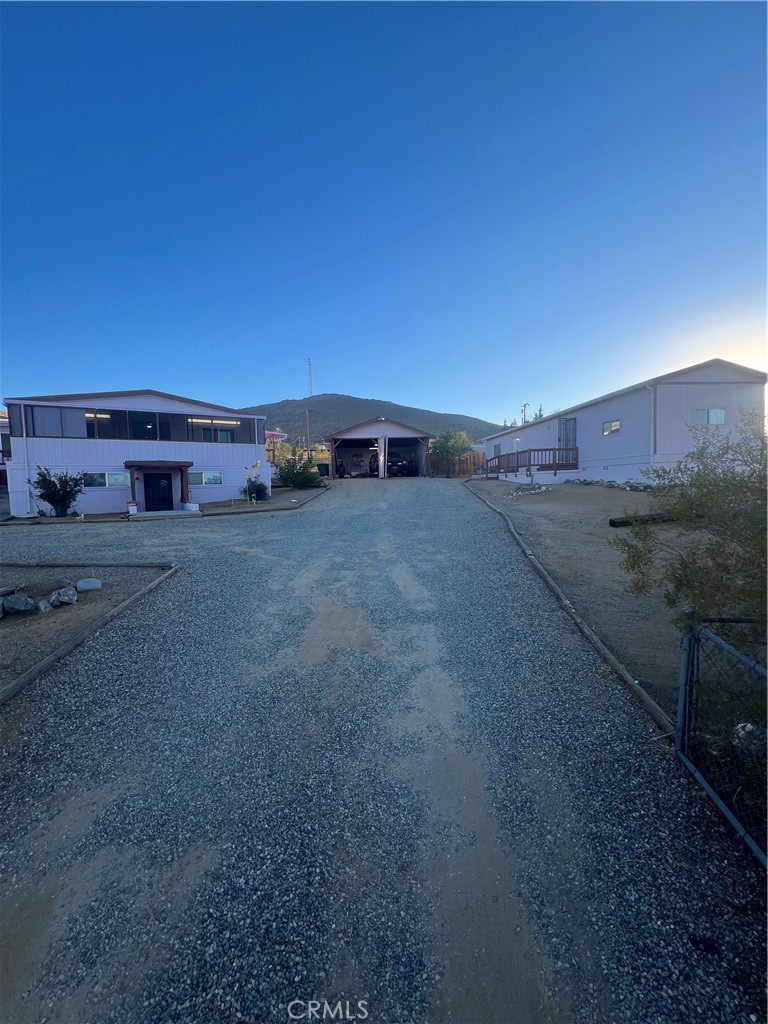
x,y
611,427
704,417
120,479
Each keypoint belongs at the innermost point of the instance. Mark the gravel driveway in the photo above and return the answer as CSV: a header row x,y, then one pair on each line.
x,y
355,753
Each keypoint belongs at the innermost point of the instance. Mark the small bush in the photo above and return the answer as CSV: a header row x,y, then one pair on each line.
x,y
59,490
255,490
297,471
715,559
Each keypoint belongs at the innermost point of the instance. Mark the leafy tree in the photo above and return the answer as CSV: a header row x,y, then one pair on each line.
x,y
59,490
714,556
450,446
283,450
297,471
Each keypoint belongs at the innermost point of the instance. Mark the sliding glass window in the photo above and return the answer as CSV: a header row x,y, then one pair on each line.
x,y
14,419
221,431
135,425
107,424
43,421
73,422
142,426
244,432
173,427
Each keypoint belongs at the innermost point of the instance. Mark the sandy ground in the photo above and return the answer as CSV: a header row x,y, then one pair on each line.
x,y
567,529
28,638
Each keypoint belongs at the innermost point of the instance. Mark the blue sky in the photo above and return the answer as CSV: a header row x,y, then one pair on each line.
x,y
462,207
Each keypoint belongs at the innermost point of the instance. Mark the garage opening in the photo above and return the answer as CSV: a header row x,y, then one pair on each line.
x,y
379,449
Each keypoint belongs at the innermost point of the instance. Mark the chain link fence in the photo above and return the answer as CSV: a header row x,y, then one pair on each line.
x,y
721,726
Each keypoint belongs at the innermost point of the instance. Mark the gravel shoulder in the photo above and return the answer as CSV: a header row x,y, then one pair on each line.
x,y
357,753
567,529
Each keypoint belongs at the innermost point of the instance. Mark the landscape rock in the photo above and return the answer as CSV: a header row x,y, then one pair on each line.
x,y
44,606
65,595
88,584
18,603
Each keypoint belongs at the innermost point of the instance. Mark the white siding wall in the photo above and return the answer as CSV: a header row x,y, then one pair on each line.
x,y
618,456
378,428
76,455
675,405
624,455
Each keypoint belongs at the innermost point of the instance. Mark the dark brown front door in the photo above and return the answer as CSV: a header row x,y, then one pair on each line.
x,y
158,492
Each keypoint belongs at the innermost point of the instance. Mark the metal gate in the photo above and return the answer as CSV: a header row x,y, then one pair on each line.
x,y
721,723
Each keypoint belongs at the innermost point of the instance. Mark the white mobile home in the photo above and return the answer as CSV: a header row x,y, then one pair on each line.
x,y
141,451
620,434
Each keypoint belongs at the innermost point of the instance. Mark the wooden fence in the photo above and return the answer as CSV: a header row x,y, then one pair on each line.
x,y
468,465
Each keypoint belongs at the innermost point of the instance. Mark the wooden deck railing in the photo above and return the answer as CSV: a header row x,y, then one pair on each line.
x,y
548,460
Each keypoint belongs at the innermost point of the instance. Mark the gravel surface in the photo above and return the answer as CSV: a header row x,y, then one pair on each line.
x,y
356,753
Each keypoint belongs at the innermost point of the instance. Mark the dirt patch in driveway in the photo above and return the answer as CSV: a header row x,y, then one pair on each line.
x,y
31,637
567,529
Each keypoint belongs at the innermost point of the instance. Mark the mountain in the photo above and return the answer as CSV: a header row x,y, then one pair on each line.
x,y
328,413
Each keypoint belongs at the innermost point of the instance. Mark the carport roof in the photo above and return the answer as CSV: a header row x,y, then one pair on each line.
x,y
374,425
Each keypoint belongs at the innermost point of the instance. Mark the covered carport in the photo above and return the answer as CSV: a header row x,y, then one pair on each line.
x,y
379,448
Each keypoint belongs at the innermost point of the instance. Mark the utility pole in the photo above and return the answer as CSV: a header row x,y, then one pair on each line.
x,y
310,393
522,411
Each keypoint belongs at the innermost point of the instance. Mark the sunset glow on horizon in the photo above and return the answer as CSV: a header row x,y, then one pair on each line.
x,y
459,207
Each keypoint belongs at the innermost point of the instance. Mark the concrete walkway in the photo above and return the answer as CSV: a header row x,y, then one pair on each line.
x,y
357,756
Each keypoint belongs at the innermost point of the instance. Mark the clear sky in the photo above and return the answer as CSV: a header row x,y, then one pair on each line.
x,y
462,207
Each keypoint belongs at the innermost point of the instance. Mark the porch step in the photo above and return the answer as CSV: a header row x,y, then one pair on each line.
x,y
174,513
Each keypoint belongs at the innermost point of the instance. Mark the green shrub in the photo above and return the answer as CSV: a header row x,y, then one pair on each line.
x,y
715,556
255,490
450,446
59,490
297,471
